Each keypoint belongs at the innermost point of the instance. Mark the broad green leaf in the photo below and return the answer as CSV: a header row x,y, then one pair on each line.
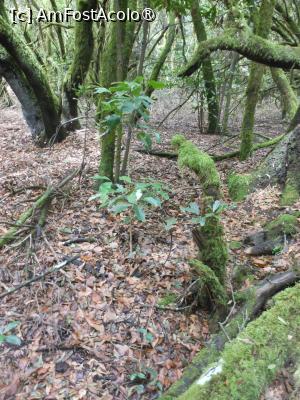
x,y
119,208
9,327
139,213
216,205
138,376
169,223
14,340
101,90
128,107
153,201
112,121
192,208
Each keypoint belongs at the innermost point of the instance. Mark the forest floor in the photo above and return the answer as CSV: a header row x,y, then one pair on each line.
x,y
94,330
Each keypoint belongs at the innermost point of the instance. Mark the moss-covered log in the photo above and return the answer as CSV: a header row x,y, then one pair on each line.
x,y
273,236
199,162
220,157
250,46
209,238
250,361
39,207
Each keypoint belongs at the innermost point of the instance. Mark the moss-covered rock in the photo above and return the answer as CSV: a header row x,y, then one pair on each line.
x,y
239,186
285,224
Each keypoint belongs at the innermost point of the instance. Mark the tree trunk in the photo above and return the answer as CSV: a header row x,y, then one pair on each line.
x,y
208,73
263,29
83,52
289,101
20,86
164,54
27,63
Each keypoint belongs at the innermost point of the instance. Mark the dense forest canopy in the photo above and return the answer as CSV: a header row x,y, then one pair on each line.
x,y
150,185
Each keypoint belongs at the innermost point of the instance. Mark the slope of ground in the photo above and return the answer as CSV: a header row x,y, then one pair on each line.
x,y
94,330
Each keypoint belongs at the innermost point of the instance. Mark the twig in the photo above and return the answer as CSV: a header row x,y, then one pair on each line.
x,y
80,240
39,277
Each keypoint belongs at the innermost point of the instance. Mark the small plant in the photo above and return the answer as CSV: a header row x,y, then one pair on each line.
x,y
193,208
146,380
131,198
11,339
125,105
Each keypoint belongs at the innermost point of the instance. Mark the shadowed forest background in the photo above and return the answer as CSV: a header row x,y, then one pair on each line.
x,y
149,190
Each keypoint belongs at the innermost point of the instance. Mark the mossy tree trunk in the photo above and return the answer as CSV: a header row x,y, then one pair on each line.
x,y
289,101
83,52
119,48
228,88
28,64
249,45
263,29
20,86
207,71
154,76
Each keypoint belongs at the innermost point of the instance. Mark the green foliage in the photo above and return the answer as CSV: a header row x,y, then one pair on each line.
x,y
215,209
121,101
145,380
239,186
131,197
10,339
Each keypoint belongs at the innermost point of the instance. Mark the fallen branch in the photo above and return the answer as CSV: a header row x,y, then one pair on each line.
x,y
80,240
40,277
232,154
41,203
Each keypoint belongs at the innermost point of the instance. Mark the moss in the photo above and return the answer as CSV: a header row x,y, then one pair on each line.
x,y
285,224
212,246
251,361
199,162
169,298
239,186
290,195
211,283
235,245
